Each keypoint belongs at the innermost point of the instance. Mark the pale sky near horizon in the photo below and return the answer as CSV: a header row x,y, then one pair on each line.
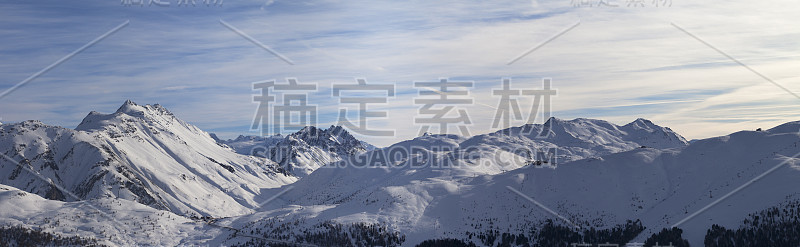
x,y
636,60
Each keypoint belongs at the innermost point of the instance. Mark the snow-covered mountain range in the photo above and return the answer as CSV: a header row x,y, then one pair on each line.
x,y
304,151
660,187
141,153
151,173
580,138
250,145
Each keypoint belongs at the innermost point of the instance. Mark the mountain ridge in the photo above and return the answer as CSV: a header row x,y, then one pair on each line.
x,y
659,186
448,186
141,153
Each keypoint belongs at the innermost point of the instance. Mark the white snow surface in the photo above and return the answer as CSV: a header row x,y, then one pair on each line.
x,y
141,153
444,186
658,186
110,221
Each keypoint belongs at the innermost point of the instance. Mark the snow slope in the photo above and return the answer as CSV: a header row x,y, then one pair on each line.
x,y
110,221
659,186
141,153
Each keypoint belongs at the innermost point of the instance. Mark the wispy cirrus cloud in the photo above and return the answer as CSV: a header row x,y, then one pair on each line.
x,y
619,64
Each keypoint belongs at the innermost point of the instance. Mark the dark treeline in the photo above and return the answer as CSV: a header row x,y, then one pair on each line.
x,y
776,226
20,236
549,234
557,235
329,234
447,242
667,237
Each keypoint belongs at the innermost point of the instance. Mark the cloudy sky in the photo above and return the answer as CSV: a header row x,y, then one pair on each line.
x,y
615,60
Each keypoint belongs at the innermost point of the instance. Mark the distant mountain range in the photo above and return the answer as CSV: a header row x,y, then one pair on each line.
x,y
302,152
140,175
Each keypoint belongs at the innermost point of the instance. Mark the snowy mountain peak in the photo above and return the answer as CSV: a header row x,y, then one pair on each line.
x,y
32,123
787,128
553,121
133,109
130,108
431,142
581,137
642,123
243,138
139,153
304,151
333,137
122,120
336,128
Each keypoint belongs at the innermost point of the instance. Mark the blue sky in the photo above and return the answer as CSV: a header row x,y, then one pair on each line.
x,y
619,64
